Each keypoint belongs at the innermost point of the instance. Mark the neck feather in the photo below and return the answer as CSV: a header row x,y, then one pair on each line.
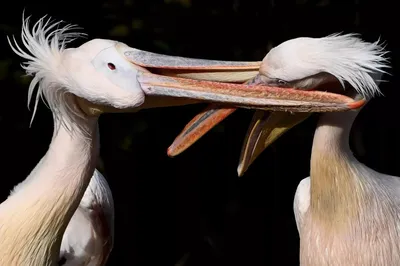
x,y
33,220
336,188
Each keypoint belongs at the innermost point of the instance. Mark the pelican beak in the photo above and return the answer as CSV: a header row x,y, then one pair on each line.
x,y
198,80
264,129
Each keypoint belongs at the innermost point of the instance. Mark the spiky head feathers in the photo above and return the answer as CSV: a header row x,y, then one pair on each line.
x,y
44,47
346,57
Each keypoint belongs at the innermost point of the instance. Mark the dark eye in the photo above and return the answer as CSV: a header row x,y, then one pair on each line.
x,y
281,82
111,66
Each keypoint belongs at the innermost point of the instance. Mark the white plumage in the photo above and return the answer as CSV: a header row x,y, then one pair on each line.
x,y
301,201
346,57
45,45
89,237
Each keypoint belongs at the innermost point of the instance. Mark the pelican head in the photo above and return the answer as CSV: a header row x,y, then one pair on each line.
x,y
331,62
95,72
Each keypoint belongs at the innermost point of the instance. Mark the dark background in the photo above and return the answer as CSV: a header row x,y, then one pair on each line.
x,y
194,206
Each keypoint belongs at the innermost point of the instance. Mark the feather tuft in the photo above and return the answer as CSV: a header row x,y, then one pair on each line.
x,y
44,45
345,56
357,62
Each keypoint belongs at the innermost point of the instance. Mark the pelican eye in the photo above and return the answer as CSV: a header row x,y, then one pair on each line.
x,y
111,66
281,82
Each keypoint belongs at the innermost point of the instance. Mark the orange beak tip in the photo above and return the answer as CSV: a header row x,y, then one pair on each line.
x,y
171,152
357,104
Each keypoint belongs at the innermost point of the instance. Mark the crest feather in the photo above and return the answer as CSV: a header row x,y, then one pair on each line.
x,y
352,60
44,45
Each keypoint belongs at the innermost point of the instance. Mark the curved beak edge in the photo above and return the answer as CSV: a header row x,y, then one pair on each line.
x,y
219,82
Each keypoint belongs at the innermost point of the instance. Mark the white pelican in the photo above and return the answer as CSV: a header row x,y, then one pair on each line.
x,y
346,213
100,76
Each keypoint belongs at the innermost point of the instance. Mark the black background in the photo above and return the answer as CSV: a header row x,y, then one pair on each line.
x,y
195,204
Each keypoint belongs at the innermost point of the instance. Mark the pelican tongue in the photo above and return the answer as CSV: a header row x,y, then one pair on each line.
x,y
264,129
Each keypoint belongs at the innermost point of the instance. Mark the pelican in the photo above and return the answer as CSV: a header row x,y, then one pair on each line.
x,y
78,85
346,213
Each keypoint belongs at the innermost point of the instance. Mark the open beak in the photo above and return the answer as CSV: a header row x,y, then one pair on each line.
x,y
215,113
198,80
172,80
